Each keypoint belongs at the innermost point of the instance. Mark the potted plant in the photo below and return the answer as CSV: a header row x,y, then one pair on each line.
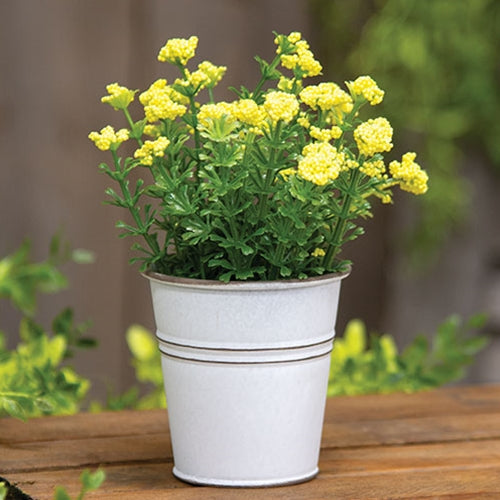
x,y
241,210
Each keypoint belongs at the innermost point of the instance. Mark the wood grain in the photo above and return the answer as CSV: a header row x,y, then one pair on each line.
x,y
441,444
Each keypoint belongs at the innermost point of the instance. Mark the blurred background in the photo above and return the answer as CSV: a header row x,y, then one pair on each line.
x,y
420,259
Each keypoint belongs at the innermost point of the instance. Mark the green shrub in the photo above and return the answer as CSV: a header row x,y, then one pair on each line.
x,y
360,363
364,364
34,379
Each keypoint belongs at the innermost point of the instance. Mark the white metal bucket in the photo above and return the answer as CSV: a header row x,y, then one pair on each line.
x,y
245,368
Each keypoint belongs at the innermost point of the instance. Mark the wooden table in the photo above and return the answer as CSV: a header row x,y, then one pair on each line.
x,y
439,444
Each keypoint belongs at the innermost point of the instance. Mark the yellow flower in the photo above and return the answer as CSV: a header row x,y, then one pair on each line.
x,y
206,76
385,197
374,136
158,103
375,168
249,112
294,37
302,58
322,135
325,134
321,163
152,130
285,84
326,96
289,61
350,164
152,149
318,252
212,73
107,138
409,174
119,97
281,106
215,111
307,63
303,121
368,88
287,172
178,50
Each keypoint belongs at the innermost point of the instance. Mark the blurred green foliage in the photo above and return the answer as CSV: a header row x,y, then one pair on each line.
x,y
90,481
146,361
34,379
438,62
363,364
360,363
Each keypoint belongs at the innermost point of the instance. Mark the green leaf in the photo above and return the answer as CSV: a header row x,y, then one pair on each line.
x,y
141,343
92,480
13,407
61,494
476,321
285,271
29,330
3,490
82,256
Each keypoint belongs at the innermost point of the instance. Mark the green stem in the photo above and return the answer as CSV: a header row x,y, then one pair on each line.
x,y
265,77
131,125
336,240
150,240
280,254
269,174
11,394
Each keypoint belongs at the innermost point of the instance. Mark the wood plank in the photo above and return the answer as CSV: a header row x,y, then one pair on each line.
x,y
440,444
456,401
153,481
135,448
450,401
51,455
410,430
353,463
437,456
83,426
130,447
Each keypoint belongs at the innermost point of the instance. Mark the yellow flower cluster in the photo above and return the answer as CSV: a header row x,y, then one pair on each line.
x,y
178,50
327,96
303,121
213,74
249,112
107,138
294,37
325,134
374,136
206,76
159,103
119,97
409,174
321,163
281,106
374,168
318,252
303,58
152,149
368,88
350,164
215,111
